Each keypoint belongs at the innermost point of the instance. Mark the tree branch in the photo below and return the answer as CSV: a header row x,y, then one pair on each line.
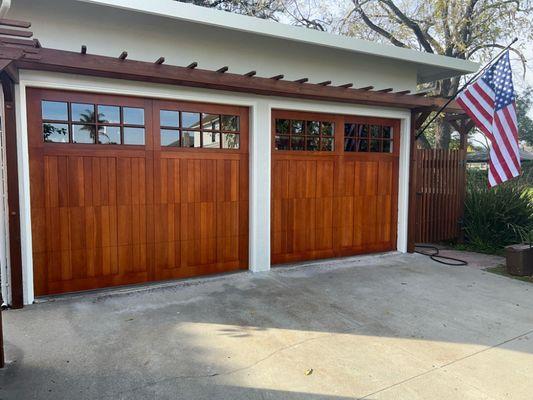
x,y
376,28
523,59
423,38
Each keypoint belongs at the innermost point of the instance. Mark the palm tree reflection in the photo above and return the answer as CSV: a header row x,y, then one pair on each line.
x,y
98,132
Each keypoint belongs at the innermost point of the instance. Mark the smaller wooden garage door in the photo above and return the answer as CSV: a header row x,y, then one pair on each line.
x,y
130,190
334,185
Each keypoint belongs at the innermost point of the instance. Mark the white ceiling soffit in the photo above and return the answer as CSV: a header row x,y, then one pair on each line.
x,y
430,66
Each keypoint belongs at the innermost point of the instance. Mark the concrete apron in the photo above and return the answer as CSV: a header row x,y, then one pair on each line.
x,y
389,327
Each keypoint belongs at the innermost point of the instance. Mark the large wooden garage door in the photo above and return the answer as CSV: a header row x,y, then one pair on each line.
x,y
334,185
128,190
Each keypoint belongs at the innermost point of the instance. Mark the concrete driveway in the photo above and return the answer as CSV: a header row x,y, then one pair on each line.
x,y
388,327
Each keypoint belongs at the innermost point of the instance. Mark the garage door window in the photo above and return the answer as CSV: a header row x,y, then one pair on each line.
x,y
87,123
368,138
304,135
199,130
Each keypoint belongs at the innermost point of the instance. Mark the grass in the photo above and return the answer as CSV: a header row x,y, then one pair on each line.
x,y
500,270
495,251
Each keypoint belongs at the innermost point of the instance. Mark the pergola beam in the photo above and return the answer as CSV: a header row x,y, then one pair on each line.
x,y
109,67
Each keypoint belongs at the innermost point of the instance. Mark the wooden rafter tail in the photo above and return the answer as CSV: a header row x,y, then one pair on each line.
x,y
325,83
223,69
278,77
387,90
18,42
15,23
160,61
346,86
192,65
250,74
421,94
83,49
366,88
403,92
123,55
302,80
15,33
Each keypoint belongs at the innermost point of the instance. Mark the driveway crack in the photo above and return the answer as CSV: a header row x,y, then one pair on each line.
x,y
441,367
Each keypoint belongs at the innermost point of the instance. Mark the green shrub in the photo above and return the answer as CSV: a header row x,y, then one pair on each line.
x,y
495,217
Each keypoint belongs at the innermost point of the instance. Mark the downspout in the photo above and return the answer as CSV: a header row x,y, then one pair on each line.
x,y
4,8
5,271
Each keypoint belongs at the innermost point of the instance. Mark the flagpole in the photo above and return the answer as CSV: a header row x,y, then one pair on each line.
x,y
464,86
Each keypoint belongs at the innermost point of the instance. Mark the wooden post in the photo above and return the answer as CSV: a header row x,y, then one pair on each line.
x,y
418,117
8,88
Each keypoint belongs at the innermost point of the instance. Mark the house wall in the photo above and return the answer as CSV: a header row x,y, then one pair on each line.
x,y
67,24
260,150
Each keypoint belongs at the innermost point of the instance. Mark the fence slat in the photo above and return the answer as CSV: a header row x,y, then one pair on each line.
x,y
440,194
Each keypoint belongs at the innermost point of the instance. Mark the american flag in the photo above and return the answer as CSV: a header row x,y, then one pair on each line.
x,y
490,102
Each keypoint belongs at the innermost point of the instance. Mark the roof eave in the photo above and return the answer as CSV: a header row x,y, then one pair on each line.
x,y
216,18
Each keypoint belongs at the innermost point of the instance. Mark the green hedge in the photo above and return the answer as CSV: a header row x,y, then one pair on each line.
x,y
494,217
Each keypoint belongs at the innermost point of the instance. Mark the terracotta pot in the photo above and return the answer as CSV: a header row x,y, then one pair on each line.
x,y
519,259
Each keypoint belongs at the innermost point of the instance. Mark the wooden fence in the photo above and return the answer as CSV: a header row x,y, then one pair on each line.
x,y
440,178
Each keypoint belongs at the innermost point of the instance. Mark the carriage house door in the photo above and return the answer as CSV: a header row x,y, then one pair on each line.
x,y
334,185
128,190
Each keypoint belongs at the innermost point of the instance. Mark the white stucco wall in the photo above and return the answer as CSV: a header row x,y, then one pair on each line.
x,y
67,24
260,150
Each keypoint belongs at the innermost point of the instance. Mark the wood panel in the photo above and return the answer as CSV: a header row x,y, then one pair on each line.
x,y
332,204
440,190
114,215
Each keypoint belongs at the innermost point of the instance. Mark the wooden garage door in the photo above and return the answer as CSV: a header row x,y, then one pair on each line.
x,y
129,190
334,185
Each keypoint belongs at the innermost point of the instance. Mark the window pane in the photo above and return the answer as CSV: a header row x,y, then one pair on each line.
x,y
387,146
230,123
387,132
374,131
363,131
350,144
211,140
83,133
190,139
311,143
312,128
282,143
327,144
170,137
169,118
297,127
328,128
297,143
54,110
282,126
57,133
134,136
109,114
350,130
82,112
374,146
109,135
363,145
230,141
211,122
190,120
133,116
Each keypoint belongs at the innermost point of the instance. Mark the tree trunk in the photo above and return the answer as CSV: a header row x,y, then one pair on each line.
x,y
443,133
